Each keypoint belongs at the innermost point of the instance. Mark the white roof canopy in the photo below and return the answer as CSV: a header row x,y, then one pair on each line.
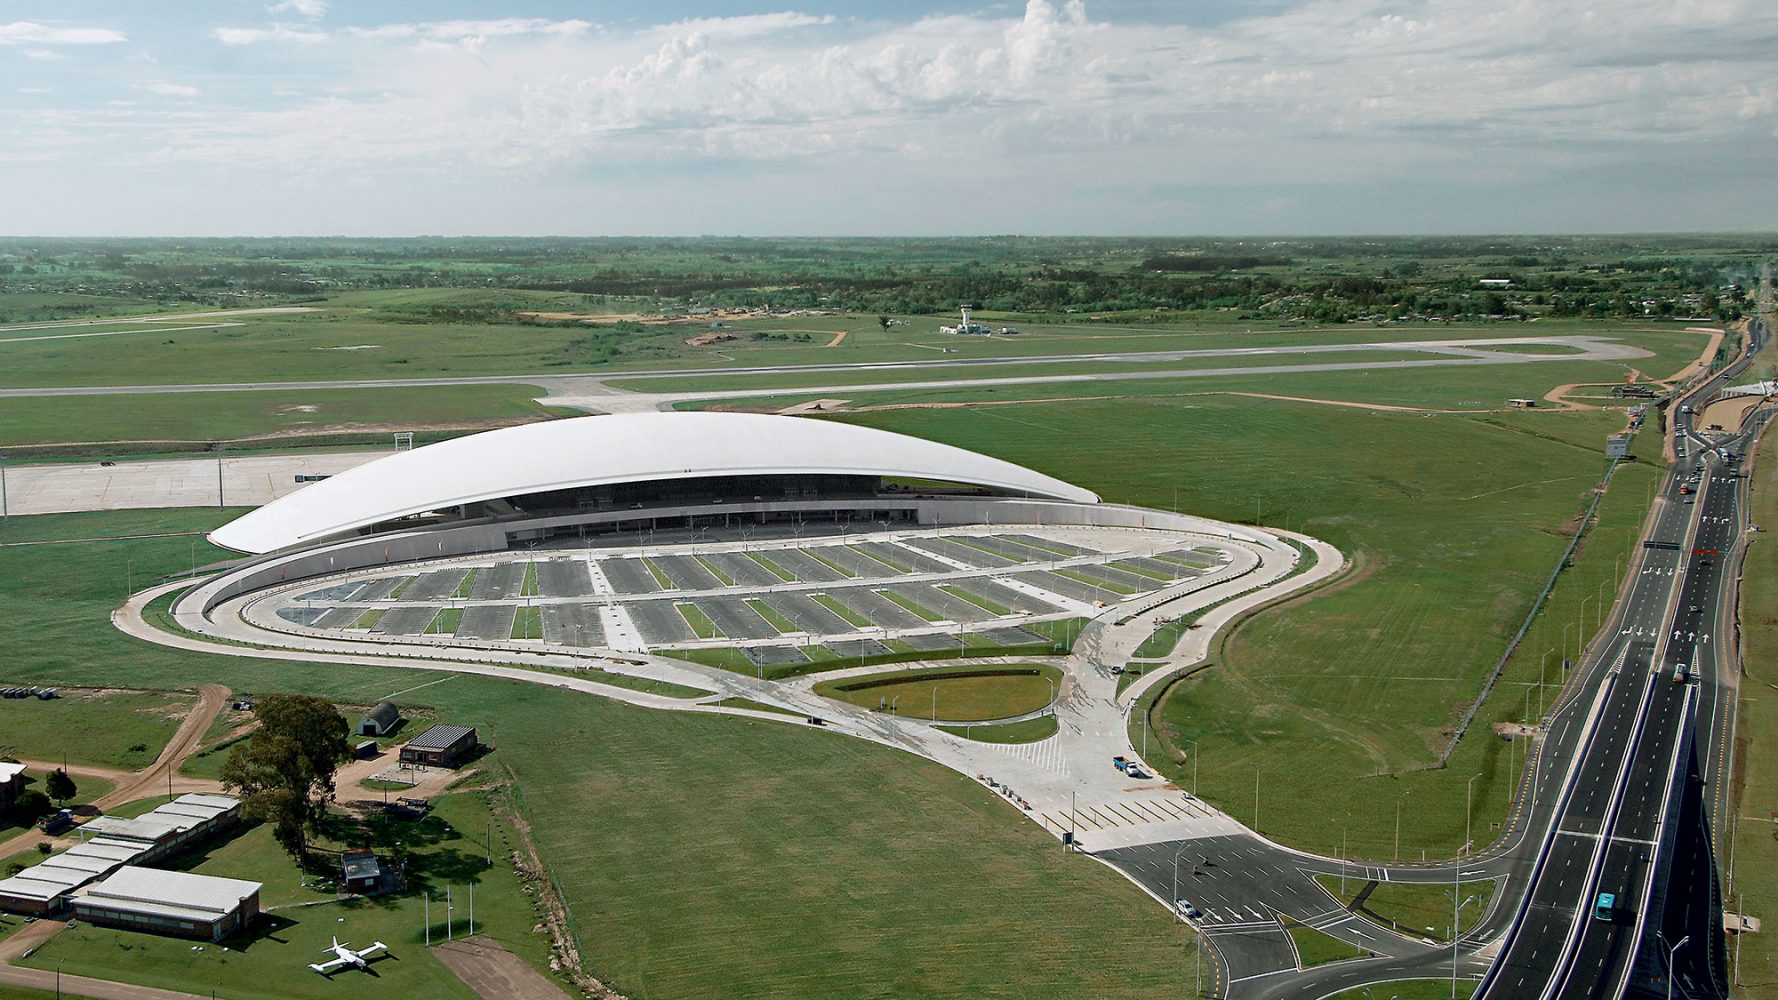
x,y
593,451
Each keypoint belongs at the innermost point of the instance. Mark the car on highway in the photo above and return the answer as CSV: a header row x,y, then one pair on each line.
x,y
1695,609
1185,907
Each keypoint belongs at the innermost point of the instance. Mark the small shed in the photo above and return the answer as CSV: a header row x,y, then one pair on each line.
x,y
440,746
361,872
381,720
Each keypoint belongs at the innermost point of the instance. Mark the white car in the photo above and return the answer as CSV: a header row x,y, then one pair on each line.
x,y
1185,907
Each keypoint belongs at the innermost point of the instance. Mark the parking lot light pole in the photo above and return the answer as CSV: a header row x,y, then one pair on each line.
x,y
1468,801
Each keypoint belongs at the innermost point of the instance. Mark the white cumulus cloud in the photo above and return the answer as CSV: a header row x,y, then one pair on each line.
x,y
33,33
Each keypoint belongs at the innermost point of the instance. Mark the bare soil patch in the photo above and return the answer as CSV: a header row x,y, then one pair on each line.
x,y
493,972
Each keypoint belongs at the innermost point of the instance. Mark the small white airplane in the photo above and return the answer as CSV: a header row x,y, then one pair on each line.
x,y
345,956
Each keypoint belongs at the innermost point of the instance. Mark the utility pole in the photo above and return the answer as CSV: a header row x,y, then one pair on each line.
x,y
1456,904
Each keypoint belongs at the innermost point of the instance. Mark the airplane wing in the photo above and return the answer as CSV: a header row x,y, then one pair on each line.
x,y
366,953
325,967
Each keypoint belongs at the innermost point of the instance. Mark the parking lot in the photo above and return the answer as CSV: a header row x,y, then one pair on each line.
x,y
773,598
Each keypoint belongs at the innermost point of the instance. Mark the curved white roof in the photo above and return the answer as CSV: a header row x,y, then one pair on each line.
x,y
591,451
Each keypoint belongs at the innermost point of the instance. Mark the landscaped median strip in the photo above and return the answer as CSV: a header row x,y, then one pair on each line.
x,y
772,616
845,614
776,570
700,623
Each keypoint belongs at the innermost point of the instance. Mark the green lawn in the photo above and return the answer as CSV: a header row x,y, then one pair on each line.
x,y
1315,948
643,684
976,599
87,789
844,613
1453,522
772,567
1476,389
527,623
913,606
985,693
448,848
93,726
756,706
195,418
699,622
1416,909
1026,731
1754,789
772,616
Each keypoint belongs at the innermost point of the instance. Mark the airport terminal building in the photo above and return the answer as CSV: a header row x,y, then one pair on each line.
x,y
782,539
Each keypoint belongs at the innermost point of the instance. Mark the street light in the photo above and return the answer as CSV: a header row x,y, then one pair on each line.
x,y
1670,953
1468,801
1398,802
1194,744
1178,916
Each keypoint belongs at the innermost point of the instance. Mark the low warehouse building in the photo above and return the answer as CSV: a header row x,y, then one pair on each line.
x,y
108,843
440,746
178,904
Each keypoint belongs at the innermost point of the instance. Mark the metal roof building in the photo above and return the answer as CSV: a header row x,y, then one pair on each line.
x,y
731,450
176,903
110,842
440,746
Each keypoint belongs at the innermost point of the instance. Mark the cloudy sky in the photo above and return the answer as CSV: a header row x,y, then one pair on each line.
x,y
1178,117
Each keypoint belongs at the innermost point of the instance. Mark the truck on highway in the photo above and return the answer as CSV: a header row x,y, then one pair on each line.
x,y
1679,673
1605,908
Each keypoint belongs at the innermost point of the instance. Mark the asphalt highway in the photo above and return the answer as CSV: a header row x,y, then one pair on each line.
x,y
1619,826
1615,765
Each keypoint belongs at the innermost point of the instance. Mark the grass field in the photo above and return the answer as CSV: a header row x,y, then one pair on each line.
x,y
857,839
1024,731
1453,522
986,693
228,416
1417,909
112,728
1457,388
1751,869
1315,948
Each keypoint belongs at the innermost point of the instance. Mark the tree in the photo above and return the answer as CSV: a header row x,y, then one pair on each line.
x,y
883,321
59,786
285,771
30,804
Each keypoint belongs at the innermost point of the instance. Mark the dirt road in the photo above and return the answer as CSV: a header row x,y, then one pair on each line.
x,y
132,785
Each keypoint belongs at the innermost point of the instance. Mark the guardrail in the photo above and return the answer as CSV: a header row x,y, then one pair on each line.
x,y
1530,616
